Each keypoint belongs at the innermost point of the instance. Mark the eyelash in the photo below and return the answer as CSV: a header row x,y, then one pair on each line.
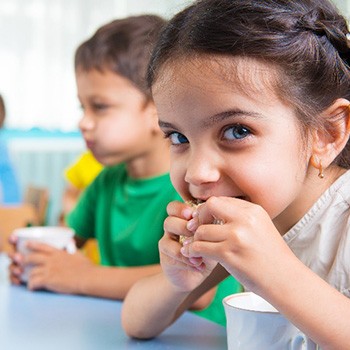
x,y
169,134
237,127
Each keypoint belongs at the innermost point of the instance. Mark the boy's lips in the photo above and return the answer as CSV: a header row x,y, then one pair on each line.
x,y
89,144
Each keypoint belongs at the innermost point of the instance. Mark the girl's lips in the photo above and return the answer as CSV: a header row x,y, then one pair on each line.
x,y
196,200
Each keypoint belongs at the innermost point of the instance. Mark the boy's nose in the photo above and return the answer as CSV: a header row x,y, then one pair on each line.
x,y
202,168
86,122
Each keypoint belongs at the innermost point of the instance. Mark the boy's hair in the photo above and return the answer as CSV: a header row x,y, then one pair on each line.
x,y
306,40
123,46
2,112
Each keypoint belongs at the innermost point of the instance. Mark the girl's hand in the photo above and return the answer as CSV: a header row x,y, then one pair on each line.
x,y
246,244
185,273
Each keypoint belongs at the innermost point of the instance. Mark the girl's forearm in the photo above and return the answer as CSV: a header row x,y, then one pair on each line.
x,y
153,303
151,306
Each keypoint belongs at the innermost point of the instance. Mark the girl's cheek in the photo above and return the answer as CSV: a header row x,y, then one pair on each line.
x,y
178,180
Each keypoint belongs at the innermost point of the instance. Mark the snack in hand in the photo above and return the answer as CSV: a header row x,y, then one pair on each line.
x,y
196,204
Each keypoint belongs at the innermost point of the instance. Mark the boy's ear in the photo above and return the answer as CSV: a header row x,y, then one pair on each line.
x,y
152,115
329,141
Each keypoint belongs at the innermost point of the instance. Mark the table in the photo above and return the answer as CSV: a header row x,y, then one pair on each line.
x,y
44,320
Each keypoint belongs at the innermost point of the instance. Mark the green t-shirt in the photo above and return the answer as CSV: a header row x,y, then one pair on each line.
x,y
125,215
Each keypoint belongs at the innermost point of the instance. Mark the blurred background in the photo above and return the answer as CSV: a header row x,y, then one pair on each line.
x,y
38,41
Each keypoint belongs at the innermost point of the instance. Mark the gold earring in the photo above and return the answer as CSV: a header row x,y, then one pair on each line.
x,y
320,171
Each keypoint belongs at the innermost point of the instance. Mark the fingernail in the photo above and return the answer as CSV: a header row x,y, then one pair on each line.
x,y
183,251
186,241
187,213
191,225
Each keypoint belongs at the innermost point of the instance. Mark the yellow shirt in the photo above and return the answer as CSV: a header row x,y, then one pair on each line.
x,y
83,171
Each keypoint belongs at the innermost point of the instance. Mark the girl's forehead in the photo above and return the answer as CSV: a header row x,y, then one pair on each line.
x,y
247,75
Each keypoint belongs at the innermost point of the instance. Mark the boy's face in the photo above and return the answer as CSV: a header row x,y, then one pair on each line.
x,y
114,123
231,136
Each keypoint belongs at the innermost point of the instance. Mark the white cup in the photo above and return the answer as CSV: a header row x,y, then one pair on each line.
x,y
254,324
57,237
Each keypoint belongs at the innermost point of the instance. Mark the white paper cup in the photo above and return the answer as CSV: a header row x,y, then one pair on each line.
x,y
254,324
57,237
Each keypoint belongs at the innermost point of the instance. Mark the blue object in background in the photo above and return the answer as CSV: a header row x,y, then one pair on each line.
x,y
9,188
39,157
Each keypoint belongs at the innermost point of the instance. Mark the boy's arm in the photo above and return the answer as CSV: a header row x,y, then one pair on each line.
x,y
153,303
61,272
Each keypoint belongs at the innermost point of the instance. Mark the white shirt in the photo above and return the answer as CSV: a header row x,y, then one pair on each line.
x,y
321,239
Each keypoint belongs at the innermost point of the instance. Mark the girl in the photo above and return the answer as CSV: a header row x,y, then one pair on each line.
x,y
254,96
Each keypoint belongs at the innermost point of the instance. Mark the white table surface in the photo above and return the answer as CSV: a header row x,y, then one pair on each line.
x,y
44,320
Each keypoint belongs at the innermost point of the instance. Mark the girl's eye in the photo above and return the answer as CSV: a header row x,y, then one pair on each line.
x,y
177,138
236,132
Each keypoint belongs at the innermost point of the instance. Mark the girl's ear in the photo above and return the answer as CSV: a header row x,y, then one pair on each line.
x,y
329,141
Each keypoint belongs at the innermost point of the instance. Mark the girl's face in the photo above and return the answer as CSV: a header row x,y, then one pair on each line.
x,y
114,123
231,135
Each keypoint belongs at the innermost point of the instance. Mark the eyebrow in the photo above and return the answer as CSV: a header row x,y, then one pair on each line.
x,y
219,117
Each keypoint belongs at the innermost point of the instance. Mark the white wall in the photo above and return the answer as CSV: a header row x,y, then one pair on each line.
x,y
37,45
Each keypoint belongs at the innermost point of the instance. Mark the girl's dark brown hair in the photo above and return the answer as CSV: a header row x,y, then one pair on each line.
x,y
123,46
307,40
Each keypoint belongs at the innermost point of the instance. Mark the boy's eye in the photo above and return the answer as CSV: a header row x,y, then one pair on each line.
x,y
177,138
236,132
100,106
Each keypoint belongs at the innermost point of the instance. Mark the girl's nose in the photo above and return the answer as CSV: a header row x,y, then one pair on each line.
x,y
202,168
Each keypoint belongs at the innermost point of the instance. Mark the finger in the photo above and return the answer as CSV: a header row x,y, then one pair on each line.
x,y
196,261
34,283
205,250
36,258
15,270
212,233
176,226
40,247
170,249
221,209
36,279
179,209
12,239
16,258
15,280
